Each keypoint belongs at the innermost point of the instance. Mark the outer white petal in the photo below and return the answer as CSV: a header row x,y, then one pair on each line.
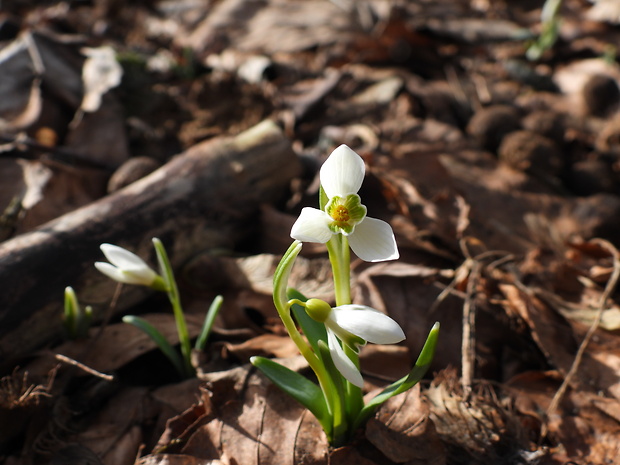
x,y
373,241
114,273
342,173
367,323
344,364
312,226
123,258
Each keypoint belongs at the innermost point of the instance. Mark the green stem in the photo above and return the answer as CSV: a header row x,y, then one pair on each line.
x,y
307,352
340,259
177,309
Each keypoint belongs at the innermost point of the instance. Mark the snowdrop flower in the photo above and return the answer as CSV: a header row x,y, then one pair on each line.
x,y
354,325
341,177
126,267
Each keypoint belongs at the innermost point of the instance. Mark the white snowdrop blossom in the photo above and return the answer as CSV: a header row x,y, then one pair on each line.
x,y
354,325
126,267
341,176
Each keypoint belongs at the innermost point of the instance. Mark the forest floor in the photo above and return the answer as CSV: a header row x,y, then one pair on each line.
x,y
499,172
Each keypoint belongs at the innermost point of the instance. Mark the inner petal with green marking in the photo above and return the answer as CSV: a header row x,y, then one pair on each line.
x,y
345,212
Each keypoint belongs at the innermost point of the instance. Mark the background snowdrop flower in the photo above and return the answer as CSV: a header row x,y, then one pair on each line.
x,y
354,325
126,267
341,177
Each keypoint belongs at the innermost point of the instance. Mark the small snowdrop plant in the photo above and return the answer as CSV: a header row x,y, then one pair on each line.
x,y
330,337
76,319
126,267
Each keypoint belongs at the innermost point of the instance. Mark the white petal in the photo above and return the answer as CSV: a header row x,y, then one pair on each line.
x,y
111,271
373,241
122,258
143,277
342,173
343,363
312,226
367,323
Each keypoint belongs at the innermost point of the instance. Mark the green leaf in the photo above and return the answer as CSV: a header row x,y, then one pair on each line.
x,y
298,387
159,339
313,330
214,309
415,375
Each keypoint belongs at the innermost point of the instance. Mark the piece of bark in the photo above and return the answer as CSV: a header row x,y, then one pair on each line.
x,y
207,197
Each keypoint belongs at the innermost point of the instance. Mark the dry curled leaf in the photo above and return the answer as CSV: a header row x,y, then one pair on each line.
x,y
403,431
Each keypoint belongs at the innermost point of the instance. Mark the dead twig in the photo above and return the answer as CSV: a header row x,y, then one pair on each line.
x,y
468,344
81,366
470,269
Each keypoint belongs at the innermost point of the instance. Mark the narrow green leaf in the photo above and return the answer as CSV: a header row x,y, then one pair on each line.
x,y
159,339
214,309
407,382
313,330
298,387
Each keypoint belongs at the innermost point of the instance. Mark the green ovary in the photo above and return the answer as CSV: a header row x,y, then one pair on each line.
x,y
345,212
318,310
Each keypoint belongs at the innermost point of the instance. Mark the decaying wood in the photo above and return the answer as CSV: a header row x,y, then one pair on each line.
x,y
207,197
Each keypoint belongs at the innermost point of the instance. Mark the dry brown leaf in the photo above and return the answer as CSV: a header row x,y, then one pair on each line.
x,y
265,345
115,347
384,363
406,293
585,424
403,431
249,420
478,427
549,329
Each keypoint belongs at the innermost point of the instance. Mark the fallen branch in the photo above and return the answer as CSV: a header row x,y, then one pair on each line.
x,y
207,197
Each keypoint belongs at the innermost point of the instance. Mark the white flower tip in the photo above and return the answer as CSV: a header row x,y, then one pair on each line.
x,y
107,247
342,173
343,363
109,270
344,151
